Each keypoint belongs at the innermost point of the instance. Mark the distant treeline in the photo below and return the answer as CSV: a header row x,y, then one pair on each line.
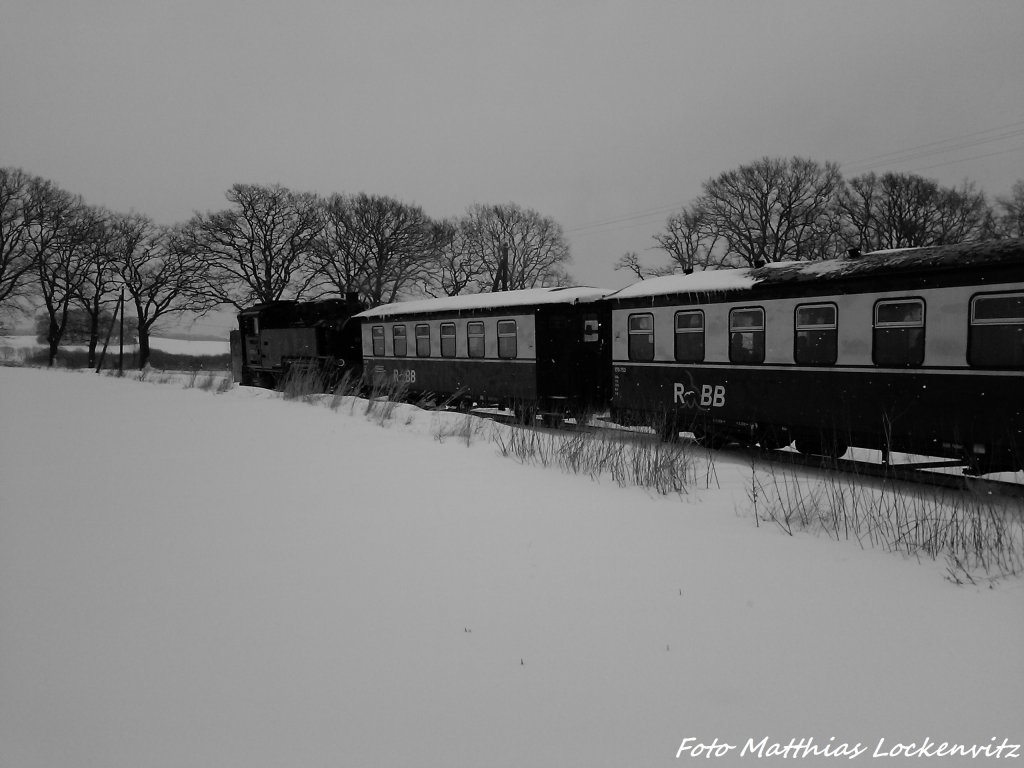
x,y
71,261
798,209
63,257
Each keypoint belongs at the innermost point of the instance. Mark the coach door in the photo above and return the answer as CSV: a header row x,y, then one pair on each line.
x,y
595,357
251,340
573,356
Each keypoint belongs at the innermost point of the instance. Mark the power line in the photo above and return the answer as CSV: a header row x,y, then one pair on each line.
x,y
975,157
939,151
625,218
907,154
937,147
872,158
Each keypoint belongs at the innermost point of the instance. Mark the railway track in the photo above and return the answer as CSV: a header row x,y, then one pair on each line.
x,y
923,473
920,471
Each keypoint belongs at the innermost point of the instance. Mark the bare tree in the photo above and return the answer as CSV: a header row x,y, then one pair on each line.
x,y
630,262
99,275
907,211
774,209
454,271
16,251
963,214
258,250
899,210
537,250
692,241
160,272
859,202
1009,216
375,245
337,259
58,232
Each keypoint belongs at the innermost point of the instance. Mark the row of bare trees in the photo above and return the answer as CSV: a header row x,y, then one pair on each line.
x,y
273,243
66,257
62,256
797,209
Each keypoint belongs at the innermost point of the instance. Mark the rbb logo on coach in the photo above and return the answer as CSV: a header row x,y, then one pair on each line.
x,y
689,397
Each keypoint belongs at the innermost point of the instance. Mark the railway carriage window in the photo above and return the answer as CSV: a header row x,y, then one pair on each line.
x,y
817,337
423,340
377,336
641,337
507,345
447,339
899,333
997,331
399,347
690,336
746,335
475,338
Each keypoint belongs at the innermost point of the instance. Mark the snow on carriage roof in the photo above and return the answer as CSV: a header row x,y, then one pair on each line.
x,y
957,256
527,297
726,280
709,281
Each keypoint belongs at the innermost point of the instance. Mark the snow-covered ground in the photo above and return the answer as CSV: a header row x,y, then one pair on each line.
x,y
190,579
16,347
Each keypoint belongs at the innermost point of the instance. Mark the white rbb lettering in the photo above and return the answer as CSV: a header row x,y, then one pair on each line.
x,y
705,396
719,399
709,396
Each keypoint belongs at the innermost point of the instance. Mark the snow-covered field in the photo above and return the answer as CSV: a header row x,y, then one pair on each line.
x,y
190,579
16,347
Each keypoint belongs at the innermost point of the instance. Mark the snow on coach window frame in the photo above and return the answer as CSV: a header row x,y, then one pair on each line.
x,y
422,340
746,335
689,341
377,337
898,338
447,339
641,337
816,334
508,348
996,338
399,344
475,339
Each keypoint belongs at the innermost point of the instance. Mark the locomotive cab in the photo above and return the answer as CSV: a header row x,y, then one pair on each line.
x,y
281,338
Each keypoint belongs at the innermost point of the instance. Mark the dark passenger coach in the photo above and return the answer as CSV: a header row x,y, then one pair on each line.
x,y
915,350
539,351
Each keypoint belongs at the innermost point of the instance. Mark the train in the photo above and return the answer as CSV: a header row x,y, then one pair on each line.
x,y
917,350
539,353
277,339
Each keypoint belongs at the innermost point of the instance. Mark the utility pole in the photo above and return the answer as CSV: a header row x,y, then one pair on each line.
x,y
110,330
120,353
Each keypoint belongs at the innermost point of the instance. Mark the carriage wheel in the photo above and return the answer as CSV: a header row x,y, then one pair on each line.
x,y
525,414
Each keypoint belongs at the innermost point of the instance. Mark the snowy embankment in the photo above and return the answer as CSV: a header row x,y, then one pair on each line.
x,y
236,580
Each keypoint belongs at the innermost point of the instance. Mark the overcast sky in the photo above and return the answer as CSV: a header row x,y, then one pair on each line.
x,y
605,116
